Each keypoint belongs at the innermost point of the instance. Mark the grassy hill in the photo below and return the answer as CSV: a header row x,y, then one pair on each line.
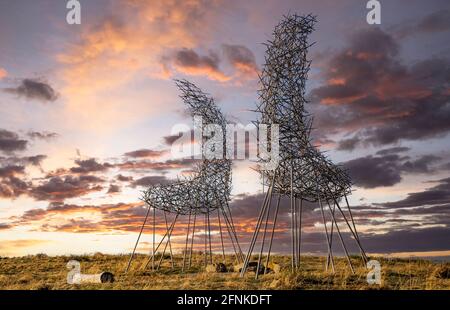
x,y
44,272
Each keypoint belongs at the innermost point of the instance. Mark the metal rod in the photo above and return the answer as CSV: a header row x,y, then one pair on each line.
x,y
137,241
187,241
154,236
264,237
273,232
209,238
230,233
330,252
300,231
233,227
168,240
292,219
342,240
221,236
206,243
331,233
192,241
363,253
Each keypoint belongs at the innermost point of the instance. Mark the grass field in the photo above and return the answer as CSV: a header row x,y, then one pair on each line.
x,y
42,272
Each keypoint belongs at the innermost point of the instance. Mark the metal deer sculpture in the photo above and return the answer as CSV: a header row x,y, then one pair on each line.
x,y
204,194
303,172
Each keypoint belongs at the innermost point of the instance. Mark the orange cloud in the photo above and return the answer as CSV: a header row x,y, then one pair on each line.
x,y
3,73
98,67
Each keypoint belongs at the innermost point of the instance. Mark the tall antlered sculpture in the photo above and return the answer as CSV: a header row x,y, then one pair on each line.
x,y
204,194
303,172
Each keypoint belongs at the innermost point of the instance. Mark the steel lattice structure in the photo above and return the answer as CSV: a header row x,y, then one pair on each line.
x,y
204,194
303,172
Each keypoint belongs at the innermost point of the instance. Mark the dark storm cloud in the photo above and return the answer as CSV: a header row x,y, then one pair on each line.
x,y
11,161
349,144
438,194
190,62
169,140
113,188
10,142
421,165
435,22
35,160
4,226
9,171
34,89
12,187
150,181
156,165
90,165
58,188
403,240
145,153
386,169
369,92
12,175
241,58
393,150
45,135
189,58
123,178
408,240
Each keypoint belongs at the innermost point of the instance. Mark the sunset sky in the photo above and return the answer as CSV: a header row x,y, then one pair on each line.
x,y
87,112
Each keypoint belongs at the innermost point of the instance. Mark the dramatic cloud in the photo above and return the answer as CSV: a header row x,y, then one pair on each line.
x,y
145,153
150,181
34,160
123,178
9,171
169,140
72,218
12,187
369,92
408,240
393,150
45,135
137,165
58,189
113,188
12,170
436,195
187,61
4,226
89,165
242,59
386,168
438,21
106,58
10,142
34,89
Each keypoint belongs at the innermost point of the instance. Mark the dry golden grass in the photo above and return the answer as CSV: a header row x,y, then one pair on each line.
x,y
44,272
